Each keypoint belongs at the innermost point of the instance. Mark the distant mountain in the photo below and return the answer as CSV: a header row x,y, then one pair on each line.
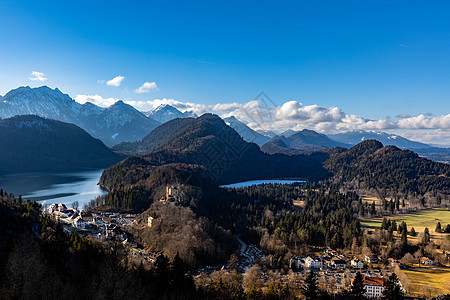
x,y
288,133
165,113
118,123
248,134
305,140
32,143
155,139
278,145
355,137
208,141
268,133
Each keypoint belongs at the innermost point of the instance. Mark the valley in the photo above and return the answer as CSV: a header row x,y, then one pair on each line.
x,y
201,193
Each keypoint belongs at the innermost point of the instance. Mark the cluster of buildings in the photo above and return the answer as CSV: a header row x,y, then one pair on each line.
x,y
100,225
330,260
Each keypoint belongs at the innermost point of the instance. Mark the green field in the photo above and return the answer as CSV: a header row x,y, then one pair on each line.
x,y
419,220
429,282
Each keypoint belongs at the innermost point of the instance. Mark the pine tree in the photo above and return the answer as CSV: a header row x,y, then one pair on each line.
x,y
357,290
413,232
310,289
426,236
438,227
393,290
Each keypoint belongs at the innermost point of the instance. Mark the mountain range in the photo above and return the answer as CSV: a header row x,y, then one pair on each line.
x,y
32,143
165,113
357,136
115,124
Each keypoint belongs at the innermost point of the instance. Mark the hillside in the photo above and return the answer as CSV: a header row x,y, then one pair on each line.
x,y
373,166
208,141
31,143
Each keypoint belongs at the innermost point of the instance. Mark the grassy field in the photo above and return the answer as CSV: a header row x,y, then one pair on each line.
x,y
419,220
429,281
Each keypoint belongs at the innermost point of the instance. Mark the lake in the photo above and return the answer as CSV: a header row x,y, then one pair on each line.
x,y
259,182
54,187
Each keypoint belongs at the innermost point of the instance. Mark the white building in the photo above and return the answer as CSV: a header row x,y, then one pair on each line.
x,y
371,258
313,262
79,222
357,264
426,261
150,221
374,286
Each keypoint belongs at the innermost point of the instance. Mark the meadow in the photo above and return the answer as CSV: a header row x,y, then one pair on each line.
x,y
429,281
418,219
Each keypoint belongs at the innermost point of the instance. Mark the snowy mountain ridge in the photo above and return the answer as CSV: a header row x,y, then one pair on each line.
x,y
166,112
115,124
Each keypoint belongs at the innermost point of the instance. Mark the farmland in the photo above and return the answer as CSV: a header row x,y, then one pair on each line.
x,y
429,281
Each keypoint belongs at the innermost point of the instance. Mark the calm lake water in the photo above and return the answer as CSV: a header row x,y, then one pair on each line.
x,y
52,187
258,182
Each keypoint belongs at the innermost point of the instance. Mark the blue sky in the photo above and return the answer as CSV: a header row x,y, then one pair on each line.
x,y
371,59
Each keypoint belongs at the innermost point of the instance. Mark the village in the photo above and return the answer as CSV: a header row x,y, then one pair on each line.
x,y
333,270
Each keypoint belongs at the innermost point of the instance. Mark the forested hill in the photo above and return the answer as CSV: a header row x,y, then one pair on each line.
x,y
31,143
208,141
372,166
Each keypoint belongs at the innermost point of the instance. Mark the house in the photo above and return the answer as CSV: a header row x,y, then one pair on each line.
x,y
392,261
357,264
371,258
338,263
313,262
57,207
295,263
374,286
79,222
426,261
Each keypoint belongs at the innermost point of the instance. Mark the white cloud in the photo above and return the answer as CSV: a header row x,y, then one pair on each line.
x,y
146,87
37,76
116,81
96,99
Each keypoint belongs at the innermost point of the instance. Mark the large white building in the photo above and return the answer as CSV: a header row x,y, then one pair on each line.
x,y
374,286
313,262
